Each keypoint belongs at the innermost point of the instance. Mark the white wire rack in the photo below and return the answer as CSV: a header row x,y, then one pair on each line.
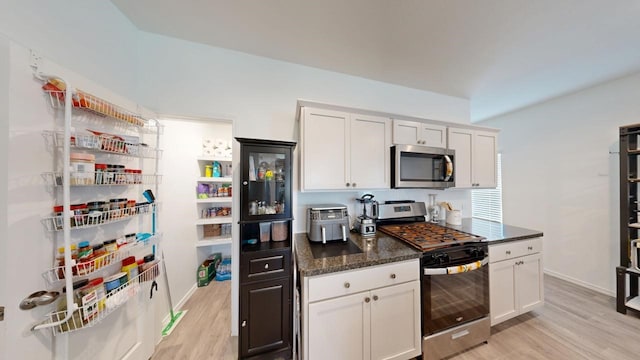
x,y
97,218
104,178
85,101
88,268
97,308
105,143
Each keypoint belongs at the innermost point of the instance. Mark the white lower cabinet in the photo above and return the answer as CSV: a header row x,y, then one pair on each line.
x,y
381,322
515,278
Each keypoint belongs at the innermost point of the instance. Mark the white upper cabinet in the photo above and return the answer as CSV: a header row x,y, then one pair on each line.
x,y
418,133
342,150
475,157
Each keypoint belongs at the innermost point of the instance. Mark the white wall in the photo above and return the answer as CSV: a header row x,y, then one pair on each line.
x,y
4,157
560,175
180,77
91,37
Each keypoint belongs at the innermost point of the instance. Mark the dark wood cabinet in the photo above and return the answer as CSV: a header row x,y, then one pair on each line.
x,y
266,324
266,295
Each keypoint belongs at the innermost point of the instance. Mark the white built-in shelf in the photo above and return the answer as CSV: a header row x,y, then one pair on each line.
x,y
215,179
217,240
215,220
213,158
212,200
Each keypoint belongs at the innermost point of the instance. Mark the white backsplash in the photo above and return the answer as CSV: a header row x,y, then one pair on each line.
x,y
459,199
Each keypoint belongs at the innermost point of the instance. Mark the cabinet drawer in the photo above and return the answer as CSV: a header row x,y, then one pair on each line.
x,y
354,281
514,249
262,266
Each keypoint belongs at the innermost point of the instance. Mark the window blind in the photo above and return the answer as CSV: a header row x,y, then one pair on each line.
x,y
487,203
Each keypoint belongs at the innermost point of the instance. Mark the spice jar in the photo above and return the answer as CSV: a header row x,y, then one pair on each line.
x,y
100,170
109,174
120,176
130,238
60,260
75,321
79,212
58,222
92,298
131,207
99,252
117,207
83,169
130,266
111,246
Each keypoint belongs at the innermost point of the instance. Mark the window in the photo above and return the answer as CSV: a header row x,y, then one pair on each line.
x,y
487,203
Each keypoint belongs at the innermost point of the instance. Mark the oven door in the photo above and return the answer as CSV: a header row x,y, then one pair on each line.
x,y
454,295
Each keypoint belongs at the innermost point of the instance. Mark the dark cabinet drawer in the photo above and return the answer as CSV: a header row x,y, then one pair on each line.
x,y
265,265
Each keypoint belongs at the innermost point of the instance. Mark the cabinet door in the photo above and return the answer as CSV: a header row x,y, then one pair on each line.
x,y
369,148
395,321
265,322
434,135
406,132
461,140
324,149
485,150
502,285
529,282
340,328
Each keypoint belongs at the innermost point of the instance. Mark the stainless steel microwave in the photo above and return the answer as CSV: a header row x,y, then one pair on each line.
x,y
414,166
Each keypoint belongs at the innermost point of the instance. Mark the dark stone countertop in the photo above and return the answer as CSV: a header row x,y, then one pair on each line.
x,y
494,232
381,249
384,249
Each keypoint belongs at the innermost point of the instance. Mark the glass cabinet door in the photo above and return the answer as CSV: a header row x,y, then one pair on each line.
x,y
266,183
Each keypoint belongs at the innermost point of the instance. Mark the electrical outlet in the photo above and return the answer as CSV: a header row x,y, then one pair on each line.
x,y
35,59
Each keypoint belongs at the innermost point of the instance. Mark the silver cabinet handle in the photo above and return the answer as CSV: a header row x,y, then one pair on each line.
x,y
244,323
367,299
1,313
348,184
508,252
323,232
266,266
393,276
353,184
347,285
375,297
245,183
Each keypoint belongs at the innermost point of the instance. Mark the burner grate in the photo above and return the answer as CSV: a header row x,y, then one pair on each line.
x,y
427,236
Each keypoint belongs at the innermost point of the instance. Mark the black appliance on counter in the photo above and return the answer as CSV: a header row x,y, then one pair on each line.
x,y
454,279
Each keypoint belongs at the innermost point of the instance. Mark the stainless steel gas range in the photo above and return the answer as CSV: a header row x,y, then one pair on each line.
x,y
455,279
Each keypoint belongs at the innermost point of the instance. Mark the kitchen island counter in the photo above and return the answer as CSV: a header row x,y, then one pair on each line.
x,y
493,231
381,249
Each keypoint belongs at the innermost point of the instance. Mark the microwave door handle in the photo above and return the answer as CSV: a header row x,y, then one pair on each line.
x,y
456,269
448,168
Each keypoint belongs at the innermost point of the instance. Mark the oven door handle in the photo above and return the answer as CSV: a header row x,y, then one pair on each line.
x,y
457,269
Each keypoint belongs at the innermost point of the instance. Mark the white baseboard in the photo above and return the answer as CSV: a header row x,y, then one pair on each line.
x,y
179,304
581,283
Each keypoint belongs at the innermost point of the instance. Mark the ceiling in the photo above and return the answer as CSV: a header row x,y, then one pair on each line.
x,y
501,54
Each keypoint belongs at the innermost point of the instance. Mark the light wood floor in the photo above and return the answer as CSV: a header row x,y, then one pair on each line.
x,y
575,323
